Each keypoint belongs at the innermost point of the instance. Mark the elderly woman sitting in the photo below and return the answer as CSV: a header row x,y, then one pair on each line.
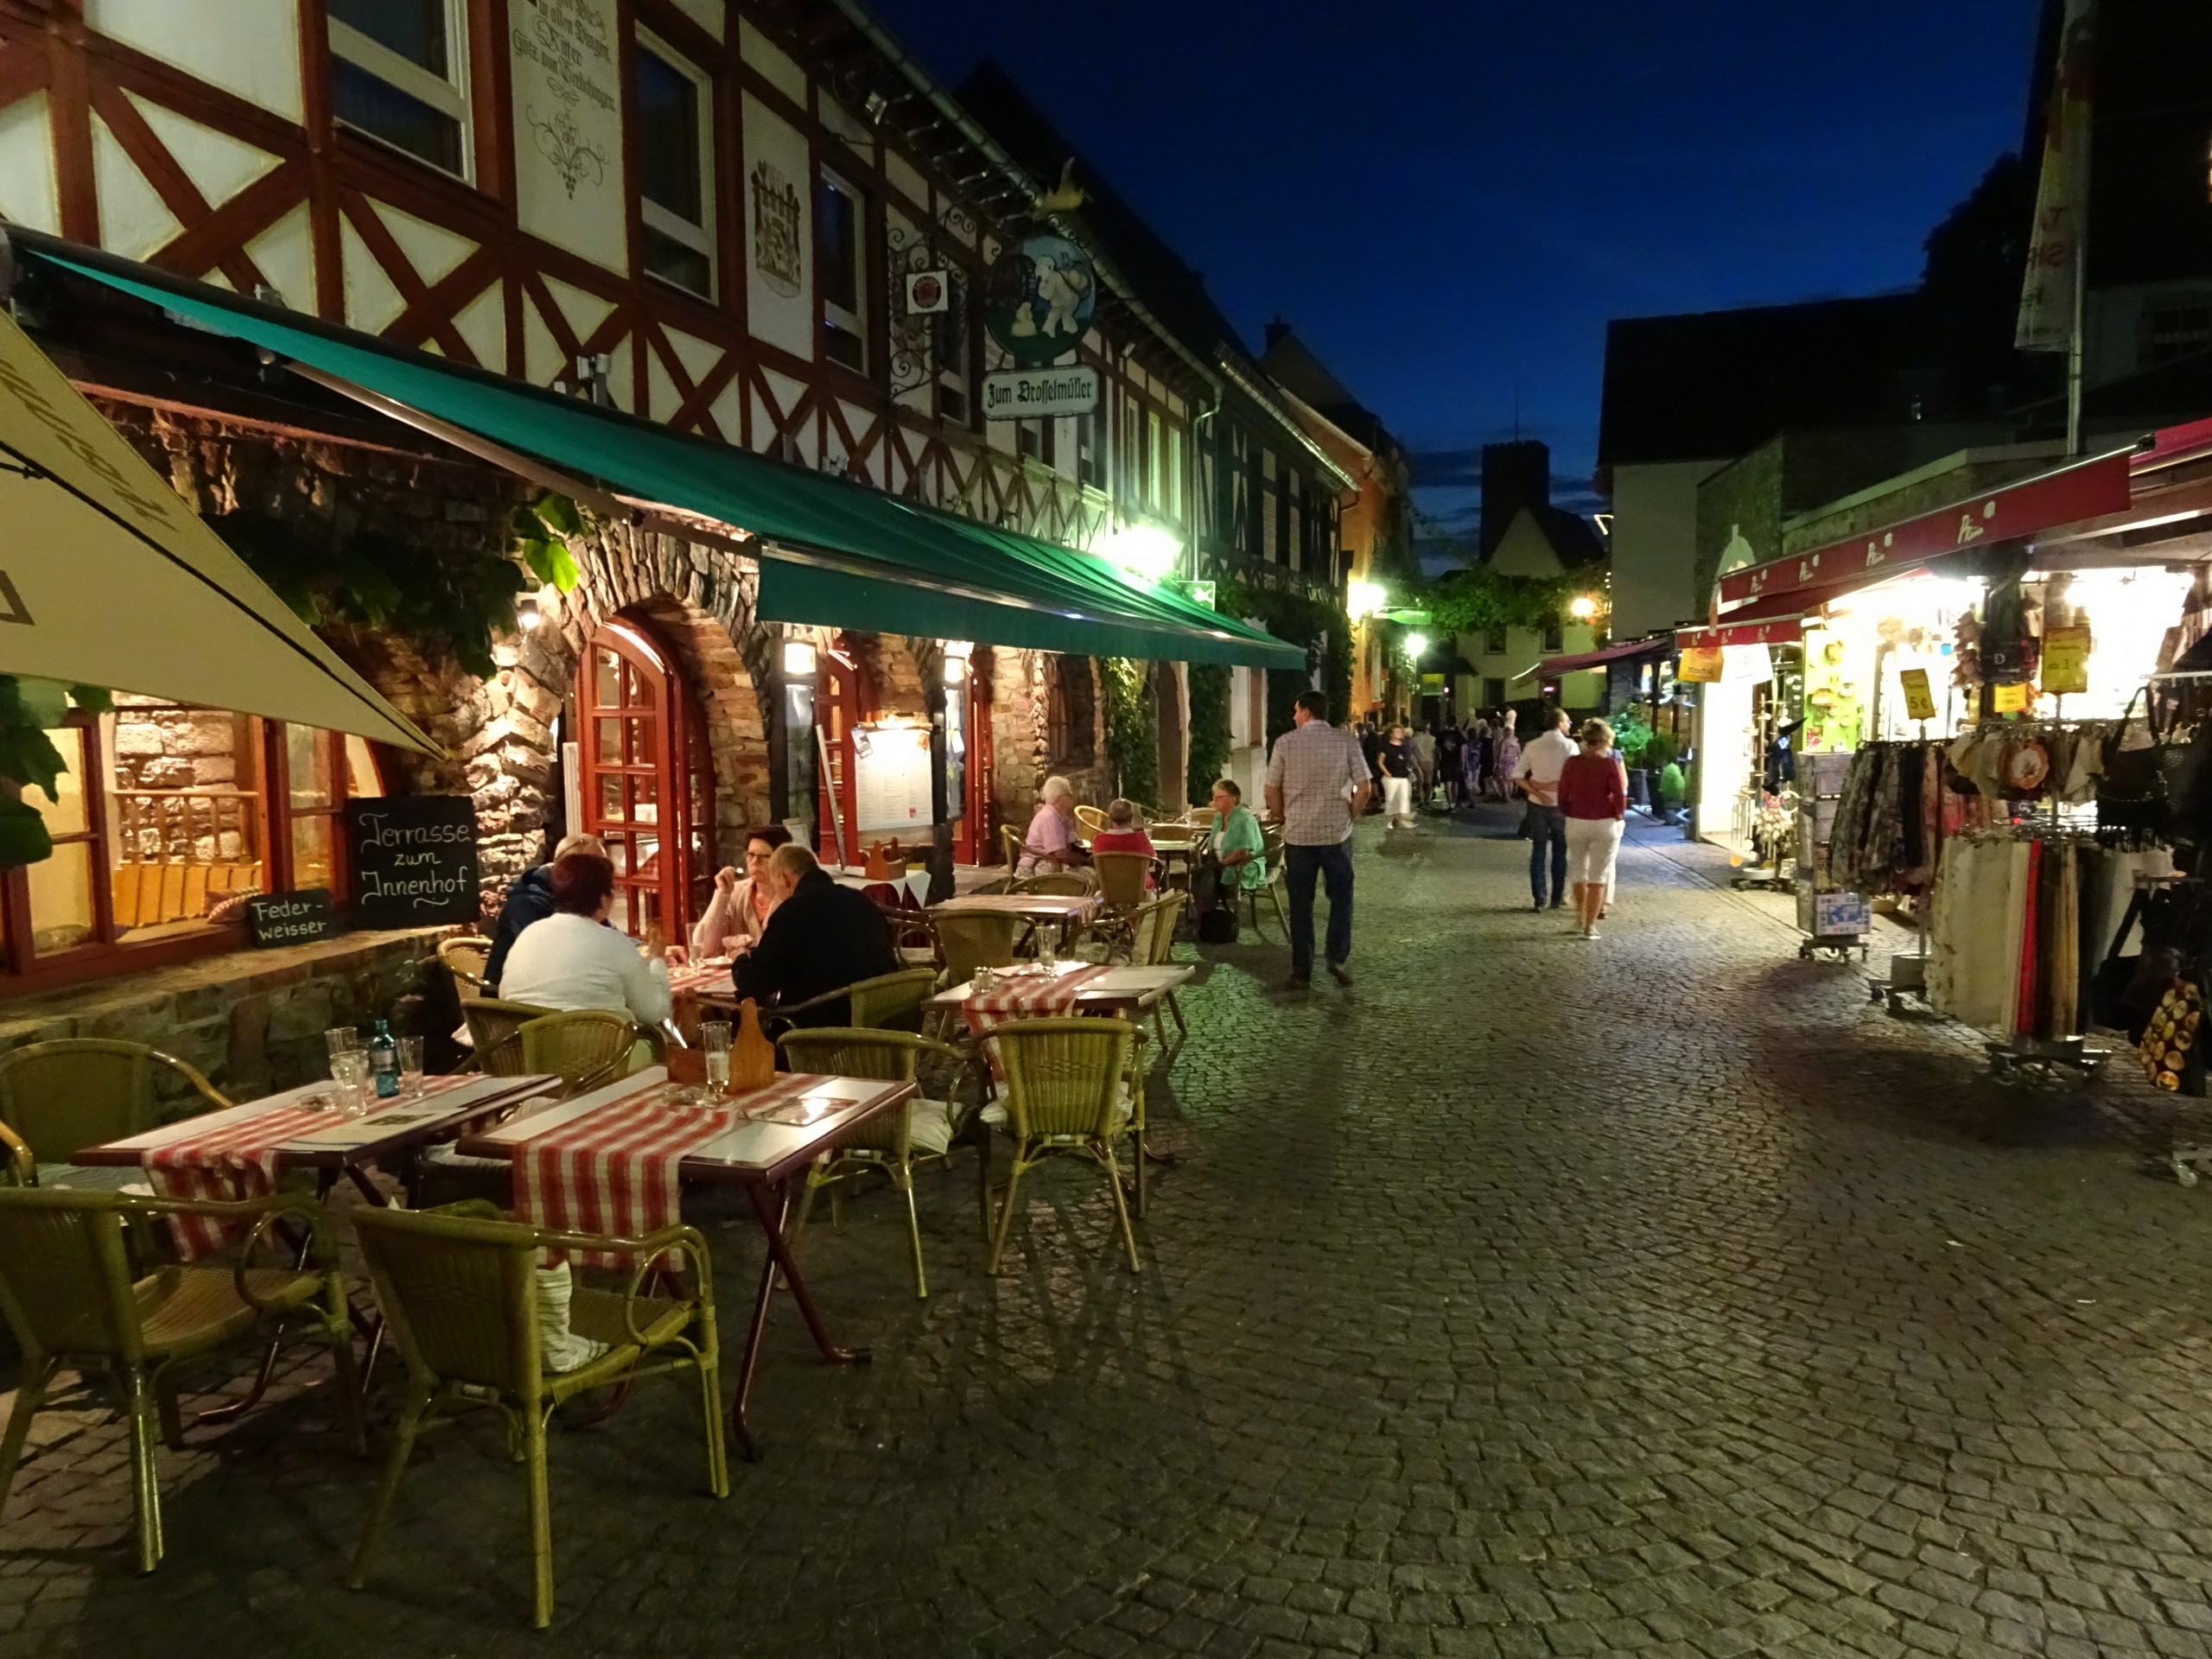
x,y
1123,833
1050,844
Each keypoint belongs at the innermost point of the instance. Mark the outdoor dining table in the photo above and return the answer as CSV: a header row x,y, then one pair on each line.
x,y
240,1151
1117,991
712,981
577,1163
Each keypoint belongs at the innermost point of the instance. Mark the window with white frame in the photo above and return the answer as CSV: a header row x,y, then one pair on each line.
x,y
400,73
1156,452
676,166
841,221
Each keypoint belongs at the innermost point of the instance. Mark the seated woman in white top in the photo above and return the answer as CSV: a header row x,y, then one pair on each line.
x,y
738,913
573,959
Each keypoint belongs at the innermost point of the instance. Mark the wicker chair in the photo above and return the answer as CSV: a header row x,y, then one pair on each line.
x,y
585,1048
66,1286
969,940
1069,1089
459,1288
1011,841
889,1001
464,956
1271,853
1068,886
1155,947
492,1021
59,1097
1203,818
892,1143
1121,878
1091,818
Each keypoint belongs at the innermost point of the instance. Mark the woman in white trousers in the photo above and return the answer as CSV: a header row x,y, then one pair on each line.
x,y
1593,797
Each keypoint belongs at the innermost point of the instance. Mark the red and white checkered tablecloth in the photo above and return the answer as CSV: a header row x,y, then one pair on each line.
x,y
707,979
237,1161
616,1171
1028,997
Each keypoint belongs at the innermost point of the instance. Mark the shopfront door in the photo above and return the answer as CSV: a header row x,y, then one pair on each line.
x,y
843,700
648,780
967,718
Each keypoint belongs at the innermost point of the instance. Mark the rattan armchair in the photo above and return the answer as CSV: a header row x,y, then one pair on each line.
x,y
1155,947
969,940
889,1001
1271,853
57,1097
892,1142
459,1290
1069,1090
1203,818
69,1295
1066,885
492,1021
1092,820
463,957
584,1047
1015,847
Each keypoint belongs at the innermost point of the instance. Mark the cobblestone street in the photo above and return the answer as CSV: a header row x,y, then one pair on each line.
x,y
1532,1296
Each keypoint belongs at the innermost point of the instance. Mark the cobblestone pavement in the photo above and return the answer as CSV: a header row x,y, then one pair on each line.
x,y
1533,1296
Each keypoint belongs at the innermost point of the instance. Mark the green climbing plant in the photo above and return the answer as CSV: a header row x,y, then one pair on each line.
x,y
1209,728
544,531
1301,621
1132,733
1473,599
29,708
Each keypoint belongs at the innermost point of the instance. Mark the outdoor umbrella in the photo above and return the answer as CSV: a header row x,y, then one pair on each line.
x,y
108,580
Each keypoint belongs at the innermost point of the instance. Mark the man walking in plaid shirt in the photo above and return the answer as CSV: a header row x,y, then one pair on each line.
x,y
1318,785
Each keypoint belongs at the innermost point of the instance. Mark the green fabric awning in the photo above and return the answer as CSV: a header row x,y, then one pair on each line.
x,y
897,566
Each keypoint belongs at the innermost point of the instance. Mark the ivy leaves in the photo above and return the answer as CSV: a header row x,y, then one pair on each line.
x,y
1473,599
29,710
544,531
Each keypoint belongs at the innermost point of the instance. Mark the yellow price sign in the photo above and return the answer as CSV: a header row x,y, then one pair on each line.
x,y
2011,700
1919,700
1701,666
2066,661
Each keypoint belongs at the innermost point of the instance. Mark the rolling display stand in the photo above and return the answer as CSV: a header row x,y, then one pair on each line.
x,y
1834,923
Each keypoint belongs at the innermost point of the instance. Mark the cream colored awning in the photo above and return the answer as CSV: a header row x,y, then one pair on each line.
x,y
107,579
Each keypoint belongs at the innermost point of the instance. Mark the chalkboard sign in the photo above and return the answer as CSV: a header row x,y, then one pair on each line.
x,y
289,918
413,859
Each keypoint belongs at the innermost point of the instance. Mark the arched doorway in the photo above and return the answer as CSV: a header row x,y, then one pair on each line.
x,y
647,781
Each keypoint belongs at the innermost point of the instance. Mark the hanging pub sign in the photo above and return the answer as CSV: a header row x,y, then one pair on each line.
x,y
1039,394
929,292
413,859
1038,298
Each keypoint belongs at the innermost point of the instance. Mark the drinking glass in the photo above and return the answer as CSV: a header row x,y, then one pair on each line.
x,y
410,1066
713,1039
350,1072
343,1040
1048,948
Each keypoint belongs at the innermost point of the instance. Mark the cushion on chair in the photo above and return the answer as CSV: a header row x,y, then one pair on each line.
x,y
994,1113
929,1126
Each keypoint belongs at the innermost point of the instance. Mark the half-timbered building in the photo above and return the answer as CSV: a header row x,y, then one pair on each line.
x,y
761,225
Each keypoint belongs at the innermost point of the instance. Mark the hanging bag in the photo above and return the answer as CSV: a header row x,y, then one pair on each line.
x,y
2132,795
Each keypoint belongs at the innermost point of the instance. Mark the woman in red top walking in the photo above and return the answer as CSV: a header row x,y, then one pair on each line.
x,y
1593,796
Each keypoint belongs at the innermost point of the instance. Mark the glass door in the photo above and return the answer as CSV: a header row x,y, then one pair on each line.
x,y
627,704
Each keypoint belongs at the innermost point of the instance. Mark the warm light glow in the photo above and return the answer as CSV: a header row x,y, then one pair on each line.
x,y
1417,646
956,668
1144,551
962,648
527,615
1365,599
798,658
1583,608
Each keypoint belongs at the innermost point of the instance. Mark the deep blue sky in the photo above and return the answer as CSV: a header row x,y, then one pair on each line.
x,y
1449,200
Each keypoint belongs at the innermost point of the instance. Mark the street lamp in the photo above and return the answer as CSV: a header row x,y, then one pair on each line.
x,y
1583,608
1417,646
1365,599
1144,551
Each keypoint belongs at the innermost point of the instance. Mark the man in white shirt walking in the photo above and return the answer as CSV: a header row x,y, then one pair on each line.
x,y
1318,785
1542,762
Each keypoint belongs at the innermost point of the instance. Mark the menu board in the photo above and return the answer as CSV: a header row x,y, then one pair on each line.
x,y
413,859
890,777
289,918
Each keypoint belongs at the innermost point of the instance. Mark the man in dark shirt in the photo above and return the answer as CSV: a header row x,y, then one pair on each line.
x,y
820,938
530,899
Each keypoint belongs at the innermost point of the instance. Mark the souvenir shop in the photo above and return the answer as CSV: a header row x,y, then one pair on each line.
x,y
2023,779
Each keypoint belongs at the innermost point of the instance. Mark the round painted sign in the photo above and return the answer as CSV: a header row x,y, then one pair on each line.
x,y
1040,299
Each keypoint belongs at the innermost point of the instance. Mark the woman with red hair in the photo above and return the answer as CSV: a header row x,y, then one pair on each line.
x,y
573,959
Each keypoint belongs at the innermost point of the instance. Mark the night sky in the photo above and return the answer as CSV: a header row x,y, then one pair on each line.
x,y
1448,201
